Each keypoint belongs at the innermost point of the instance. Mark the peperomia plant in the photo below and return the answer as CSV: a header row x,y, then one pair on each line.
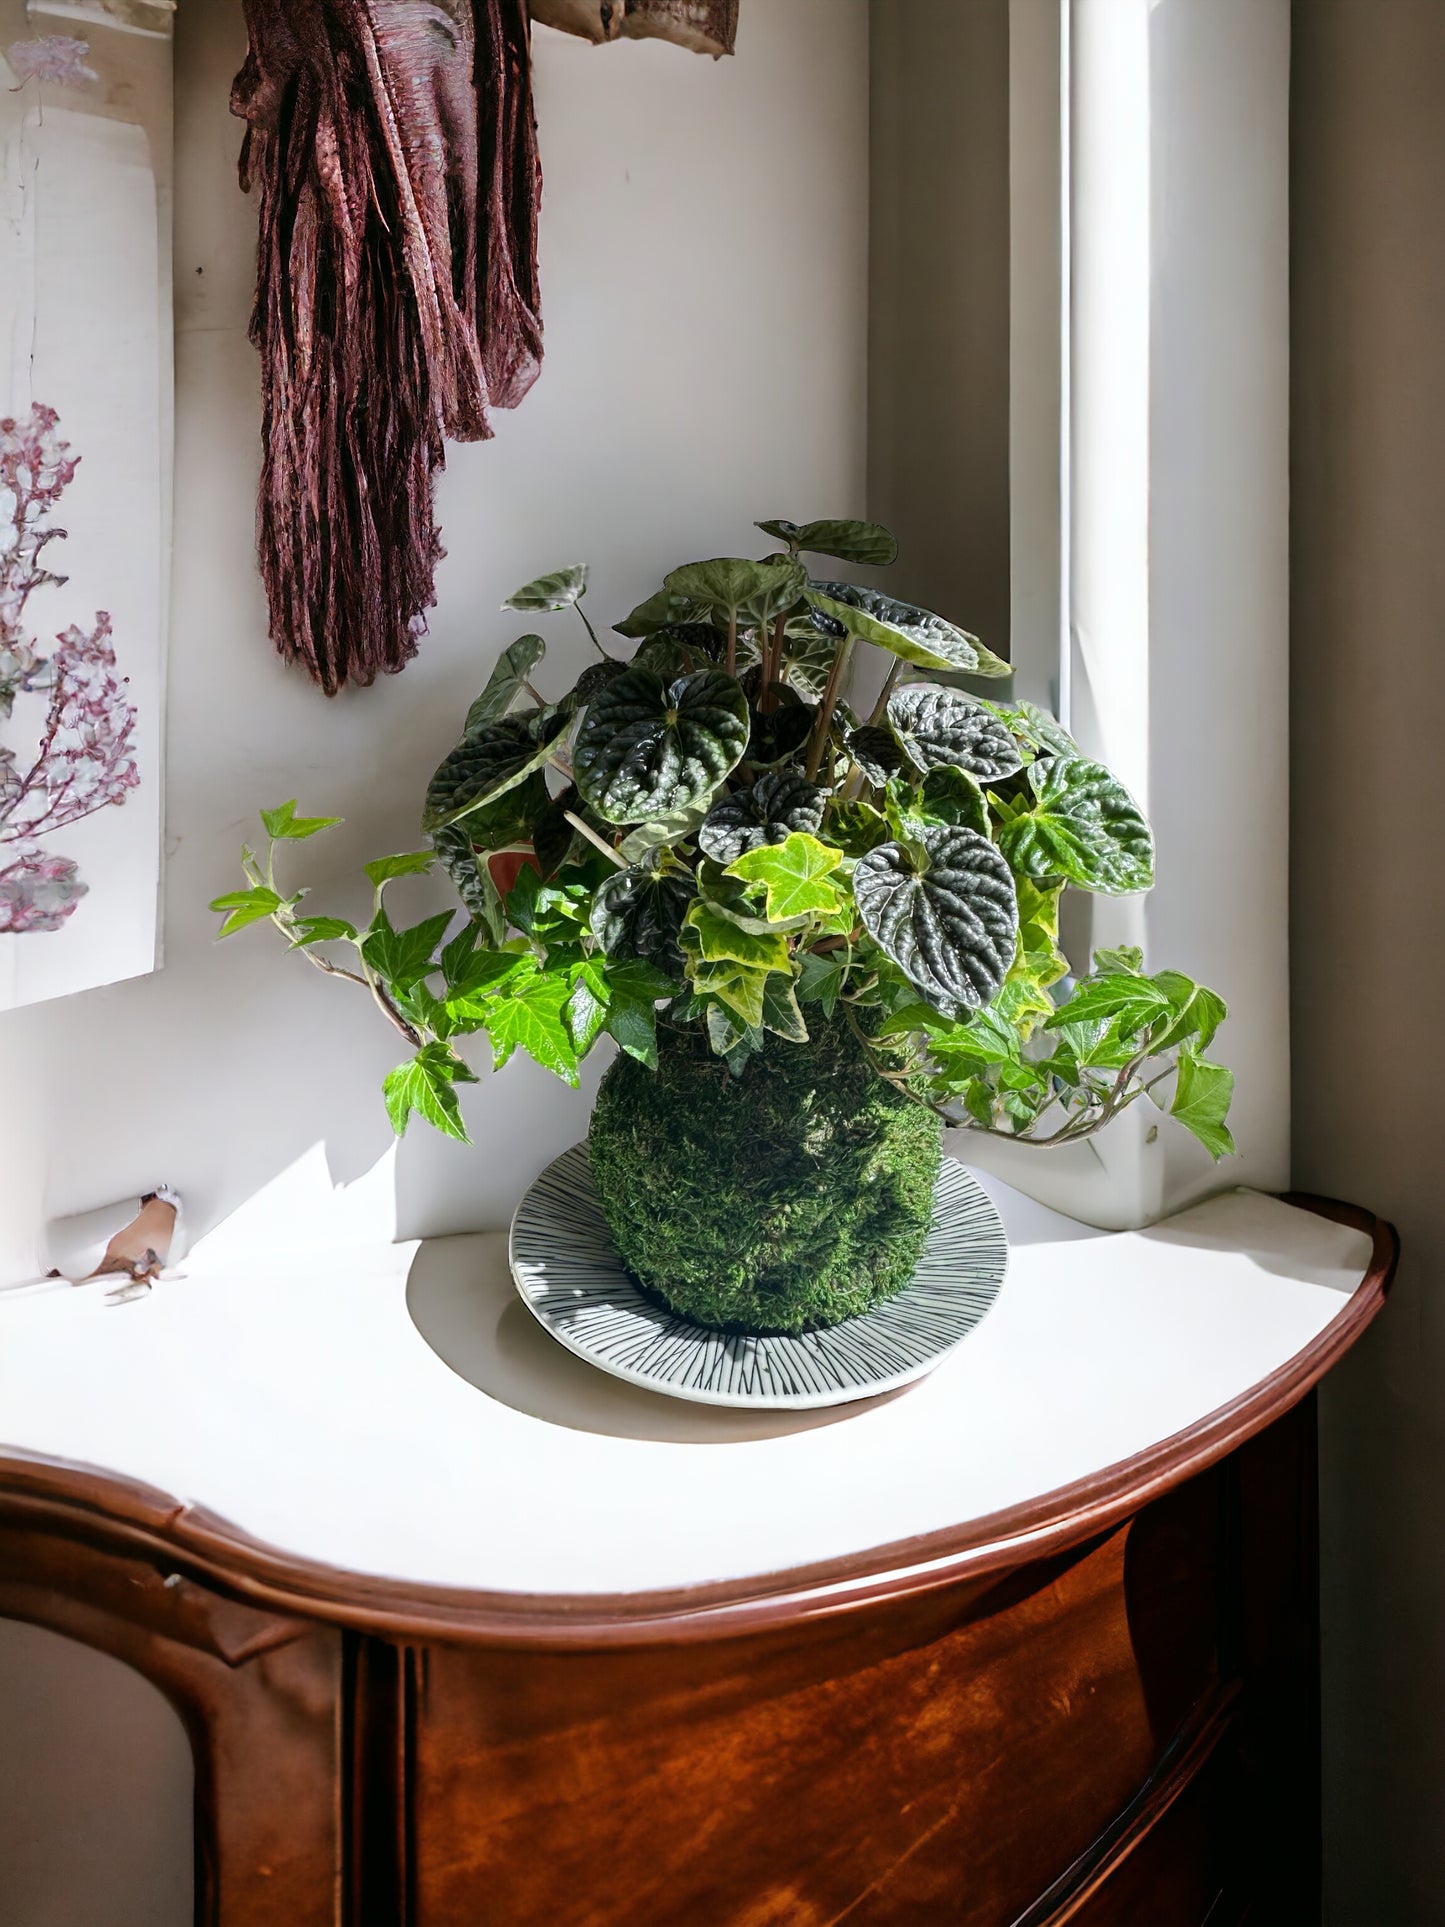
x,y
707,835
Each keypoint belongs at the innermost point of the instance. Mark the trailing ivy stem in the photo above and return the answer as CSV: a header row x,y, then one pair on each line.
x,y
827,706
592,837
368,982
881,706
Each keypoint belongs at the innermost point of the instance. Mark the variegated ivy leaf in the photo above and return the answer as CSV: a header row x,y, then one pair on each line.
x,y
1083,825
647,748
866,543
637,916
548,593
507,680
493,759
656,835
915,634
940,728
769,812
943,908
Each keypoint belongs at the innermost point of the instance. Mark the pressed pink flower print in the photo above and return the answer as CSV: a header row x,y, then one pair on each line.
x,y
56,57
83,761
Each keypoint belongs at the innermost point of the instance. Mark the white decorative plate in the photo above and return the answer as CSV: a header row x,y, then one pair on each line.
x,y
573,1282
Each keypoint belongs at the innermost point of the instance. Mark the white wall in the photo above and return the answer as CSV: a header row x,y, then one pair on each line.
x,y
704,266
704,259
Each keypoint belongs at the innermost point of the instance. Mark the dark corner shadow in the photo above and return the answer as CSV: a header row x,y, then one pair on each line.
x,y
462,1301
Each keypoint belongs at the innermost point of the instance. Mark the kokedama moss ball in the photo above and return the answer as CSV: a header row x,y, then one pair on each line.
x,y
783,1200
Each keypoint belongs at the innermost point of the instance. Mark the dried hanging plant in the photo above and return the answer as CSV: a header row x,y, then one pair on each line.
x,y
394,148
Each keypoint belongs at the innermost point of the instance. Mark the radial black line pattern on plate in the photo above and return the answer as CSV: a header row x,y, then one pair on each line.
x,y
570,1277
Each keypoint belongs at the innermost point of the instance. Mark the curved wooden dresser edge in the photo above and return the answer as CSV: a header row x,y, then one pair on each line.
x,y
125,1515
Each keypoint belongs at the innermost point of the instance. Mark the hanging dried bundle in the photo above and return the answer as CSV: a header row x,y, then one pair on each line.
x,y
393,145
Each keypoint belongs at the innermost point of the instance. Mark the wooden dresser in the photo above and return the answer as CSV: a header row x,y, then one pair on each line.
x,y
468,1635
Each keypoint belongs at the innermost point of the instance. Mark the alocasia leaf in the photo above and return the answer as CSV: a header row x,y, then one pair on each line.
x,y
647,748
493,759
730,586
945,910
797,876
637,915
915,634
1202,1095
939,728
777,804
866,543
548,593
507,680
1083,825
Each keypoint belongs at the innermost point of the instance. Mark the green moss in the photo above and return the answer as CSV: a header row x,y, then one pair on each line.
x,y
781,1201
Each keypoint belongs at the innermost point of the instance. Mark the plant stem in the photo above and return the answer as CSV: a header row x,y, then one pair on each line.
x,y
881,706
592,837
577,605
827,706
732,659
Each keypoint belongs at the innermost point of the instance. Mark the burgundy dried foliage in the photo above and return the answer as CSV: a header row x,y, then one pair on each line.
x,y
83,761
393,146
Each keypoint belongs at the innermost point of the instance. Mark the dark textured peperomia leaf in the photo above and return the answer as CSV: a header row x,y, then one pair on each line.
x,y
507,680
1084,825
555,841
779,734
875,751
866,543
915,634
945,911
509,818
595,677
637,917
949,795
494,758
471,879
769,812
647,748
940,728
548,593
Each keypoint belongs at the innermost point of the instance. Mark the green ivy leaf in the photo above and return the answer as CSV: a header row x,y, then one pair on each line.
x,y
820,979
866,543
530,1012
414,863
940,728
1127,958
285,823
945,910
795,874
241,907
915,634
1133,1003
1083,825
633,1025
427,1085
586,1008
404,957
1202,1096
507,680
1037,730
549,593
1198,1012
311,930
647,748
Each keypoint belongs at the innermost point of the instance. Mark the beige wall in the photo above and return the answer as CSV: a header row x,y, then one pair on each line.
x,y
1369,895
938,413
